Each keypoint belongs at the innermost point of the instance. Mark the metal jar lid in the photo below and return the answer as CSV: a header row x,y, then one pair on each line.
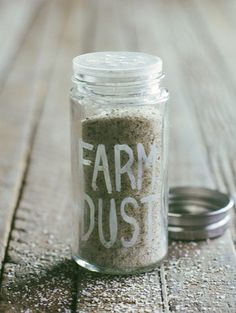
x,y
197,213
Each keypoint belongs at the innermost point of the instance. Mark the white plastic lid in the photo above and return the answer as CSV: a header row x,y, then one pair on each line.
x,y
116,66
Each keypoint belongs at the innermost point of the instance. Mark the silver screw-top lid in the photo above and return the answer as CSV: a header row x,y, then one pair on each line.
x,y
197,213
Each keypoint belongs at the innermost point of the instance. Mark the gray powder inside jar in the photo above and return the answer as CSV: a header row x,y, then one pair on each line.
x,y
124,127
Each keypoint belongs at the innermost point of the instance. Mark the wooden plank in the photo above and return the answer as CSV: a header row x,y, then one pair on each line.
x,y
220,35
136,293
220,40
30,79
39,275
20,106
217,118
107,38
179,48
15,20
201,276
211,96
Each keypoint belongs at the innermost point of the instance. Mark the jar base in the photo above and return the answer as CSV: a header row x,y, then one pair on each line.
x,y
111,271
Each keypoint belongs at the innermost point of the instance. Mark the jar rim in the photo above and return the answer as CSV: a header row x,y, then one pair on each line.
x,y
116,67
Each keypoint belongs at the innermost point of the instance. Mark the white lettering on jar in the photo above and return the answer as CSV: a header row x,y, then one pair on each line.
x,y
85,236
126,168
149,161
101,164
150,200
112,224
106,220
84,145
130,220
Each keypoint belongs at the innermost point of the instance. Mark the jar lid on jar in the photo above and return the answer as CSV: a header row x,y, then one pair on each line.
x,y
116,67
197,213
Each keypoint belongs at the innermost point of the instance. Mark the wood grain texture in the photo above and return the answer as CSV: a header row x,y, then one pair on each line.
x,y
16,18
35,255
200,277
210,93
190,60
19,112
38,274
220,114
137,293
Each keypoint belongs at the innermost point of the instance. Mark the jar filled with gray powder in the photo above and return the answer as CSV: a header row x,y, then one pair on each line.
x,y
119,138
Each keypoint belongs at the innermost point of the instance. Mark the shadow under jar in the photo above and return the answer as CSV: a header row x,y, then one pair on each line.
x,y
119,140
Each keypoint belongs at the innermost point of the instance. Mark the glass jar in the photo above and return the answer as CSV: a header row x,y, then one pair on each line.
x,y
119,162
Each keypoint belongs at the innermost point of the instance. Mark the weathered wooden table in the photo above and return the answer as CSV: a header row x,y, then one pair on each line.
x,y
38,39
